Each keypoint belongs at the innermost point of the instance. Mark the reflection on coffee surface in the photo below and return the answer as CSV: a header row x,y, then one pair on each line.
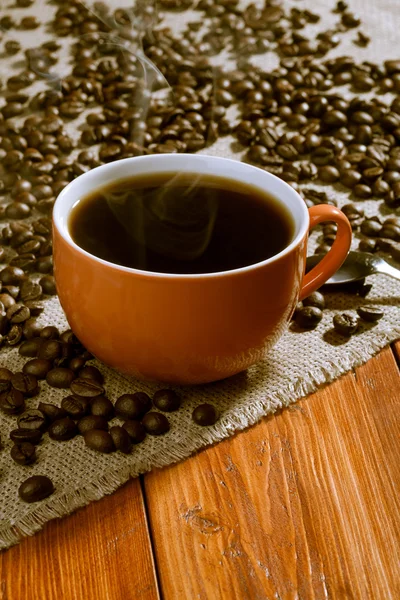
x,y
181,223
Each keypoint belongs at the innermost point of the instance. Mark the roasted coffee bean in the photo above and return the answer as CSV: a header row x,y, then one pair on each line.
x,y
155,423
20,436
14,336
389,231
12,276
205,414
35,488
76,363
315,299
362,191
75,407
48,285
102,407
10,290
17,210
308,317
135,430
63,429
99,440
7,300
367,245
50,333
121,439
132,406
166,400
60,377
370,313
24,453
91,372
12,402
86,388
5,385
32,419
345,323
29,23
12,47
37,367
49,349
26,384
44,264
5,374
51,412
30,291
350,178
328,174
92,422
371,227
18,313
30,348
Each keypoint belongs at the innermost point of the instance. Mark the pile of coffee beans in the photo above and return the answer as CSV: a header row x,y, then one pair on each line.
x,y
61,361
290,123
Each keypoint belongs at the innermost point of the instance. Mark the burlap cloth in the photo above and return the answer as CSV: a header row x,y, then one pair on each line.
x,y
295,367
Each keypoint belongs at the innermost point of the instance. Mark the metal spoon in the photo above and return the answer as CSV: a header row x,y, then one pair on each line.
x,y
356,266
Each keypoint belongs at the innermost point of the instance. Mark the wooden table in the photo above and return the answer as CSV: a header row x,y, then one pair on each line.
x,y
305,505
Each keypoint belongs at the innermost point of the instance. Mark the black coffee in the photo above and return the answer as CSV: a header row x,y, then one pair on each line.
x,y
181,223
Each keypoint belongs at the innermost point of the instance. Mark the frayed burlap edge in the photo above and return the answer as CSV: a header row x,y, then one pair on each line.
x,y
65,504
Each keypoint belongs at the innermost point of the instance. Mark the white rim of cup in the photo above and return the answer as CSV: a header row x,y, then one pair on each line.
x,y
215,166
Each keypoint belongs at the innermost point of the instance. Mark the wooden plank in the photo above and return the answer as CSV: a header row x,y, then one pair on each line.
x,y
303,505
102,551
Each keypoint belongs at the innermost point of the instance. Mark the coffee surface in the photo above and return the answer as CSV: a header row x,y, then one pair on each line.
x,y
181,223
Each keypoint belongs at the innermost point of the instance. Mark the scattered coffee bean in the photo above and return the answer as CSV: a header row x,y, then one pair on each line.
x,y
136,431
370,313
50,333
315,299
102,407
24,453
51,412
60,377
5,374
32,419
91,372
132,406
166,400
20,436
48,285
121,439
77,363
308,317
86,388
63,429
30,348
155,423
205,414
346,324
49,349
37,367
92,422
12,402
35,488
99,440
25,383
75,406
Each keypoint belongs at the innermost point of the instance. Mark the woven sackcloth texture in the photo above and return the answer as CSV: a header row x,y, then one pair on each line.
x,y
297,366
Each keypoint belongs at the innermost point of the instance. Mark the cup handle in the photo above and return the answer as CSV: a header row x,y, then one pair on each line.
x,y
336,255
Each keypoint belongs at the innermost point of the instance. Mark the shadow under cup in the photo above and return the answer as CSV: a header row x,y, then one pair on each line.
x,y
183,328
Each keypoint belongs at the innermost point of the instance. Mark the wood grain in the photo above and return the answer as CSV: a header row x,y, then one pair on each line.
x,y
304,505
101,552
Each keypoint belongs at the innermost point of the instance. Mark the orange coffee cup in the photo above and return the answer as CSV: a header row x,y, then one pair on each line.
x,y
187,329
